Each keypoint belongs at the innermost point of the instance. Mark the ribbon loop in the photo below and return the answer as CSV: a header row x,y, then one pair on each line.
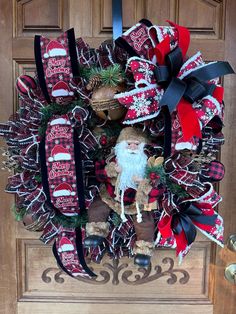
x,y
173,93
174,61
194,90
211,71
161,74
183,223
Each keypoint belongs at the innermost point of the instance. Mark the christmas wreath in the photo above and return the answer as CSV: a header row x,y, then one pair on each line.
x,y
114,150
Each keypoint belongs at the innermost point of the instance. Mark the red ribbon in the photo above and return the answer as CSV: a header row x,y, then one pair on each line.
x,y
188,120
163,48
167,225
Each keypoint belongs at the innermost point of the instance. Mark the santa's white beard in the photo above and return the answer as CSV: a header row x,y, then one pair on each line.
x,y
132,164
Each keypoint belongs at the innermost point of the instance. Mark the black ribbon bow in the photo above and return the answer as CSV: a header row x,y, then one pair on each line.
x,y
194,86
185,218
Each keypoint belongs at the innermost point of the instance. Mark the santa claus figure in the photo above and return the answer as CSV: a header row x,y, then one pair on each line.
x,y
125,190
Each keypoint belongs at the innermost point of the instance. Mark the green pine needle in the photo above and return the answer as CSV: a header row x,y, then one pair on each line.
x,y
112,76
159,170
18,212
70,222
84,72
94,71
116,220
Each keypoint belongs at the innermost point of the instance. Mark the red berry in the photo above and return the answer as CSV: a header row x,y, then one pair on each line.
x,y
103,140
152,176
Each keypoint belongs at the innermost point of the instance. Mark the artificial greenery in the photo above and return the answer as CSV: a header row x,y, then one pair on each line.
x,y
110,76
53,109
70,222
159,170
38,178
116,220
176,189
165,180
18,212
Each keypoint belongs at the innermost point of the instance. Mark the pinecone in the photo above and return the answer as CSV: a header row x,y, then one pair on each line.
x,y
94,82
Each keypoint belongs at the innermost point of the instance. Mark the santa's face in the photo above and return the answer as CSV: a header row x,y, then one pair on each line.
x,y
133,146
132,162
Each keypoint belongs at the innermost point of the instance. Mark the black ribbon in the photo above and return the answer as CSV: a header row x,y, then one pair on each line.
x,y
39,67
183,221
80,190
194,86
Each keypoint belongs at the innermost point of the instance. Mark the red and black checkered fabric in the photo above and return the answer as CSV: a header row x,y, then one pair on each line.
x,y
155,193
57,68
59,170
214,171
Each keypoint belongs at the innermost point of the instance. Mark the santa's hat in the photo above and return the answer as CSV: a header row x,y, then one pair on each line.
x,y
59,153
131,133
61,89
54,49
65,245
60,120
63,189
76,272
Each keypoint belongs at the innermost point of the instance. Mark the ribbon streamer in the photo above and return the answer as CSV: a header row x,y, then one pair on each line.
x,y
182,224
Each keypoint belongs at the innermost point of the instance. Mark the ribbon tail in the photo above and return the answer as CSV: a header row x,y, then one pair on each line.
x,y
164,226
181,242
188,120
80,252
214,233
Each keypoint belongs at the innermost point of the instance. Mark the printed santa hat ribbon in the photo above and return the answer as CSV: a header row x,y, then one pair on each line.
x,y
63,180
57,65
69,253
62,177
183,225
59,153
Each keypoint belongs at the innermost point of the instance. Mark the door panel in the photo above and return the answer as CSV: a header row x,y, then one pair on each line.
x,y
117,281
29,271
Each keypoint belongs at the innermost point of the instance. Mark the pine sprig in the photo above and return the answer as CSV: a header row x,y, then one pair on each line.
x,y
159,170
70,222
116,220
94,72
112,76
176,189
85,72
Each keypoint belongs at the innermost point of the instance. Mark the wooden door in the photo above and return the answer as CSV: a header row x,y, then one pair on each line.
x,y
30,281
